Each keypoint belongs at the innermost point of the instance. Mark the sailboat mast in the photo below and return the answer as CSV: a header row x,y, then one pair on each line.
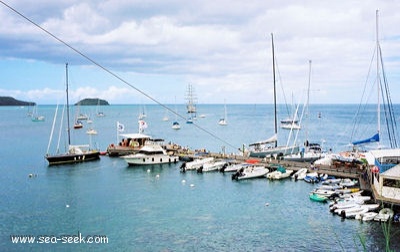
x,y
273,73
308,97
68,127
378,79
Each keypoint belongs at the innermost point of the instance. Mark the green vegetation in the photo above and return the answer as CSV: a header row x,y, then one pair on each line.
x,y
92,102
10,101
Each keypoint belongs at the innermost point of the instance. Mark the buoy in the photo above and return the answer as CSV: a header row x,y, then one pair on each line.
x,y
191,185
148,170
66,205
267,204
158,176
183,181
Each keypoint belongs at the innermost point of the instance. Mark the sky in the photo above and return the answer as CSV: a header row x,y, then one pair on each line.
x,y
222,48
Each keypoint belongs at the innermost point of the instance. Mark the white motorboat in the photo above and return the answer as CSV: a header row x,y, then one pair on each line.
x,y
331,181
282,175
352,212
322,192
368,216
151,153
300,174
211,166
384,215
347,182
195,164
235,167
253,171
337,208
272,174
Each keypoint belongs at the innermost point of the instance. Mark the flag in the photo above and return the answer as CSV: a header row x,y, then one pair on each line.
x,y
120,127
142,125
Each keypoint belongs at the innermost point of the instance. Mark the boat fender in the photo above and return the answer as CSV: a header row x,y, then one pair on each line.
x,y
396,218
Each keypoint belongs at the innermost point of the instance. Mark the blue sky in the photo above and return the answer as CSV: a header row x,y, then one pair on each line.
x,y
222,48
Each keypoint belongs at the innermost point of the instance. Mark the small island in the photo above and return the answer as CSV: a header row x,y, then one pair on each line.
x,y
10,101
92,102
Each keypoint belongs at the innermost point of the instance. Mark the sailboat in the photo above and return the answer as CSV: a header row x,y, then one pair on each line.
x,y
382,158
269,147
35,115
191,104
291,123
311,151
175,124
99,113
75,153
223,121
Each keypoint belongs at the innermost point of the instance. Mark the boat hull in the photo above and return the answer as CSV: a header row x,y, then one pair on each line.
x,y
72,158
278,151
150,160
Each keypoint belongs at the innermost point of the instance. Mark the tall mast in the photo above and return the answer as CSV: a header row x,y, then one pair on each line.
x,y
308,98
273,73
68,128
378,79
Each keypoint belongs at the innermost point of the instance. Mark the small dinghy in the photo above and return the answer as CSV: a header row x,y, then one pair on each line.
x,y
250,172
317,197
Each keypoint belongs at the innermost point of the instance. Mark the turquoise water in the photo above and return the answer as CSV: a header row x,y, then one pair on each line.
x,y
151,208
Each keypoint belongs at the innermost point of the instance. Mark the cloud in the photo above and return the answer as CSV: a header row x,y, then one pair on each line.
x,y
216,45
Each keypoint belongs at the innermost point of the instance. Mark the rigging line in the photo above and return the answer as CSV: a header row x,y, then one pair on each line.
x,y
390,113
357,118
112,73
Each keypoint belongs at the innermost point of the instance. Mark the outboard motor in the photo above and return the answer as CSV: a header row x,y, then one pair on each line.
x,y
183,167
200,169
223,168
235,176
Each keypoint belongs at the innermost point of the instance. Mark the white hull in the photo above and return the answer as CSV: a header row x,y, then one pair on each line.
x,y
300,174
280,175
211,166
251,172
235,167
197,163
139,159
277,151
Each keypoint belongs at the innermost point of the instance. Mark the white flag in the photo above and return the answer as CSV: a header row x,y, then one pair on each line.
x,y
142,125
120,127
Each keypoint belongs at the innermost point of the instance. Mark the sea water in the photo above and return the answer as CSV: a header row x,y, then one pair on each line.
x,y
158,208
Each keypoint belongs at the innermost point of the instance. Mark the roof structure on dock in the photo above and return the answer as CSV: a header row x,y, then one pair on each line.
x,y
393,173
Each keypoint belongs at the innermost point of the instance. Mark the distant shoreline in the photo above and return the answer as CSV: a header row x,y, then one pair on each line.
x,y
10,101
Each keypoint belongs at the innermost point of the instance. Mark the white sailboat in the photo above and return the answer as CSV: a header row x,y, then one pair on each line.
x,y
310,151
269,147
382,158
35,115
99,113
223,121
175,124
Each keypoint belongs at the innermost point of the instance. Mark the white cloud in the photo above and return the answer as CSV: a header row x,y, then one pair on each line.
x,y
218,45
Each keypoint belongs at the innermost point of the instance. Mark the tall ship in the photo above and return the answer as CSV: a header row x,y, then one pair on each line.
x,y
191,101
